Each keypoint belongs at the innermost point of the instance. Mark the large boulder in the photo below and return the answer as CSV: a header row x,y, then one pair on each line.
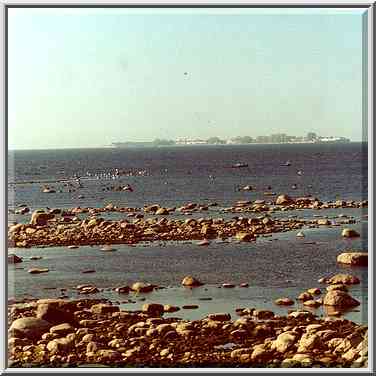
x,y
54,313
349,233
340,299
40,219
353,258
284,200
190,281
29,327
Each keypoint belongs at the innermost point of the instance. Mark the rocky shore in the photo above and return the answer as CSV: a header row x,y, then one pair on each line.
x,y
57,227
83,332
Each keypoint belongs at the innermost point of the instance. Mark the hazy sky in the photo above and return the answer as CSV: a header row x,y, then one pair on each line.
x,y
89,77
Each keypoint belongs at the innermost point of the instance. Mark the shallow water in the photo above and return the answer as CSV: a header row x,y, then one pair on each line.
x,y
280,265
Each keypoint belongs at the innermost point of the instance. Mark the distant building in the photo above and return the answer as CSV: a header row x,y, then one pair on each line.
x,y
311,136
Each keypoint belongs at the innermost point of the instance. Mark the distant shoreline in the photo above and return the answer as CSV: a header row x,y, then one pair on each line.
x,y
192,145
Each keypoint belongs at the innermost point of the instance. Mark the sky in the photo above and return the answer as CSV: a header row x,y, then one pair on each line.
x,y
90,77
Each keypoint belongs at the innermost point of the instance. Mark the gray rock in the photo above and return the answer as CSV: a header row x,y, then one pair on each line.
x,y
29,327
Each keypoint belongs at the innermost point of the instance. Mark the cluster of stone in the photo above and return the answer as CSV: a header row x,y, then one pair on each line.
x,y
57,333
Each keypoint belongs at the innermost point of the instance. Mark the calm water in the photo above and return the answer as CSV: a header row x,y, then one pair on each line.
x,y
274,267
181,174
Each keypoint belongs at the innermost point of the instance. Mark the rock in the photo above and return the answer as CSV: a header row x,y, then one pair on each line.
x,y
345,279
54,315
14,259
304,296
164,352
219,316
247,188
267,221
284,301
16,228
244,284
263,314
245,236
208,231
323,222
303,359
349,233
300,235
309,342
353,258
153,309
190,306
48,190
284,200
190,281
123,289
35,258
109,355
72,246
40,219
169,308
162,211
38,270
204,242
104,309
284,341
29,327
340,286
59,345
228,285
301,314
260,353
235,354
62,329
107,249
239,334
314,291
151,208
312,303
340,299
142,287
